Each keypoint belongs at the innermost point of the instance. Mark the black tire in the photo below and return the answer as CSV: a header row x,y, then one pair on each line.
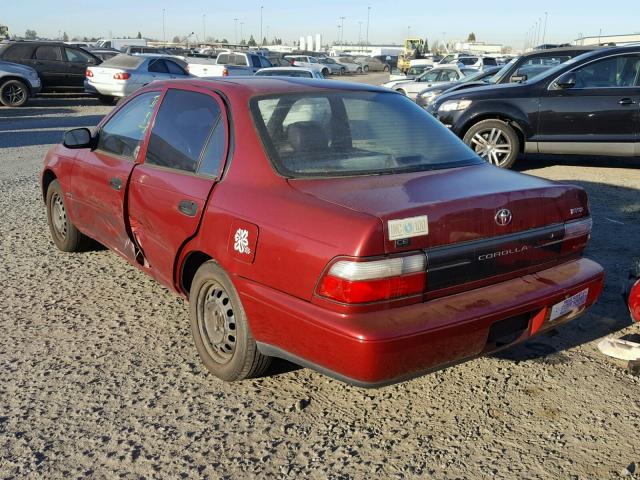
x,y
325,72
220,329
106,99
64,233
359,70
386,68
495,141
366,68
14,93
402,92
342,71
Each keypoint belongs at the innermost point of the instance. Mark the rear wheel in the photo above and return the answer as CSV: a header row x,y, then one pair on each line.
x,y
386,68
220,328
14,93
325,72
106,99
495,141
64,233
342,71
366,68
359,70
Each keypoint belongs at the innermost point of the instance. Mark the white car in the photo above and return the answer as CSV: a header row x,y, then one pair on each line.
x,y
297,72
308,61
124,74
432,77
351,65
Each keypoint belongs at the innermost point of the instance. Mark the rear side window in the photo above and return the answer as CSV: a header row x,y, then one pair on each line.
x,y
264,63
181,130
255,60
124,132
174,68
223,58
354,133
18,52
48,52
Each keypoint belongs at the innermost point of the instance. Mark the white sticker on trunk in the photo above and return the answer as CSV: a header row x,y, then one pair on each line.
x,y
408,227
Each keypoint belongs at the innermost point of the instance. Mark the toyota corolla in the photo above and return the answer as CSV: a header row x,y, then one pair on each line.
x,y
336,225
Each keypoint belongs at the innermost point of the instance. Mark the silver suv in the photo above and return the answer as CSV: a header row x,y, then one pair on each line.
x,y
17,84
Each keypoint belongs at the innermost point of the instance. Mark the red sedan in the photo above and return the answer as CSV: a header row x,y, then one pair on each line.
x,y
335,225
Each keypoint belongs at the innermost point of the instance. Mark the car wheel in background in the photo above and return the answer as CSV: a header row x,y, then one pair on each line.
x,y
359,70
64,234
402,92
342,71
13,93
325,72
106,99
219,327
366,68
386,68
495,141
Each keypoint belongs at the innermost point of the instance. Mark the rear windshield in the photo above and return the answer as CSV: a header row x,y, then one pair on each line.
x,y
354,133
124,61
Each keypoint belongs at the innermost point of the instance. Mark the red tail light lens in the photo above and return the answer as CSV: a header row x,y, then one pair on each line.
x,y
576,235
634,301
88,73
121,76
348,281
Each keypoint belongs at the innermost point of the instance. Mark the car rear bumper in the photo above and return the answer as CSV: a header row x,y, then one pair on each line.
x,y
111,89
378,348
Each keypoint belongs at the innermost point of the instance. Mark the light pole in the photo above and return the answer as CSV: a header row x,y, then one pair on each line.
x,y
241,36
235,31
544,34
338,39
539,28
204,28
261,37
409,31
360,33
368,14
164,38
342,30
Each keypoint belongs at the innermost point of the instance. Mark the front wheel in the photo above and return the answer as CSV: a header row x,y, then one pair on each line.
x,y
220,329
13,93
325,72
359,70
342,71
64,233
106,99
495,141
386,68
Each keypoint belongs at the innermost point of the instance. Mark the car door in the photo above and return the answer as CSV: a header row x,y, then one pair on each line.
x,y
169,191
599,114
77,63
99,176
48,60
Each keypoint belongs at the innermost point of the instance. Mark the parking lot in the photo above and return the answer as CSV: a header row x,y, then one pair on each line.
x,y
101,379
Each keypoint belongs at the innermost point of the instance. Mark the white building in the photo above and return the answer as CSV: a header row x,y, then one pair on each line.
x,y
624,39
479,47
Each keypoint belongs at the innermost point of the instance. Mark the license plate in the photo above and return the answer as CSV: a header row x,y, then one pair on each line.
x,y
572,303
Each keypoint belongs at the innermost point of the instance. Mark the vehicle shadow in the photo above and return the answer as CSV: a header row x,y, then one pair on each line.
x,y
41,131
18,113
614,244
534,161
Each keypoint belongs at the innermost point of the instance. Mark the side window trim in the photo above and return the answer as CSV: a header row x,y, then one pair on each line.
x,y
551,85
219,122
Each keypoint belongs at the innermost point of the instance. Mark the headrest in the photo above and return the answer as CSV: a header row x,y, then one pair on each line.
x,y
307,137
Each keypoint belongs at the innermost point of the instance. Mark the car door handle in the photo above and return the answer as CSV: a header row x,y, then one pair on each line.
x,y
188,208
116,183
627,101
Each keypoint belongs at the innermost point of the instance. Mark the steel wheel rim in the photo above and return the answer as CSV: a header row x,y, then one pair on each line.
x,y
59,216
216,322
493,145
13,94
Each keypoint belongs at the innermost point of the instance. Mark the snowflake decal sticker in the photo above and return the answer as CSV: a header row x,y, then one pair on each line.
x,y
241,241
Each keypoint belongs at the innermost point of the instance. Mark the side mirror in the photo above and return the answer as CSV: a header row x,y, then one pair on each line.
x,y
518,78
568,80
77,138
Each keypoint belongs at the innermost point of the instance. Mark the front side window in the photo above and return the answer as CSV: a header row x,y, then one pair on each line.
x,y
183,125
354,133
612,72
77,56
124,132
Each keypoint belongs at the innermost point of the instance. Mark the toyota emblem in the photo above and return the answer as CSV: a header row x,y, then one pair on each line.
x,y
503,217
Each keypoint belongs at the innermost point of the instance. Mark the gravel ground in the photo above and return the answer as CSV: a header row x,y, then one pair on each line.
x,y
100,378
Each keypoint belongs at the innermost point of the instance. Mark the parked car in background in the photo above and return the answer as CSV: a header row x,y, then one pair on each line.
x,y
138,49
428,96
120,43
587,106
228,65
391,60
334,67
17,84
430,78
86,46
350,64
105,53
298,72
631,291
477,62
424,60
338,226
309,62
372,64
279,62
124,74
59,66
413,72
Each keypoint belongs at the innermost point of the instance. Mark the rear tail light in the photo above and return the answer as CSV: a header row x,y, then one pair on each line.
x,y
634,301
121,76
576,235
349,281
88,73
225,72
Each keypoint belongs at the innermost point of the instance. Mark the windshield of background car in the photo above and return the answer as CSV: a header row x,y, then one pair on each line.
x,y
353,133
503,71
124,61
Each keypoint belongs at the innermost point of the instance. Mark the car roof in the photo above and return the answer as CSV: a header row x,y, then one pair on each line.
x,y
249,86
287,69
554,51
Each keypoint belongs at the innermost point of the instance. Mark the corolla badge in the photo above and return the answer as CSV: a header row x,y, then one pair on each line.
x,y
241,241
503,217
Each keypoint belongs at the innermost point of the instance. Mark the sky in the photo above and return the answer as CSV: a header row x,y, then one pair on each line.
x,y
505,22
